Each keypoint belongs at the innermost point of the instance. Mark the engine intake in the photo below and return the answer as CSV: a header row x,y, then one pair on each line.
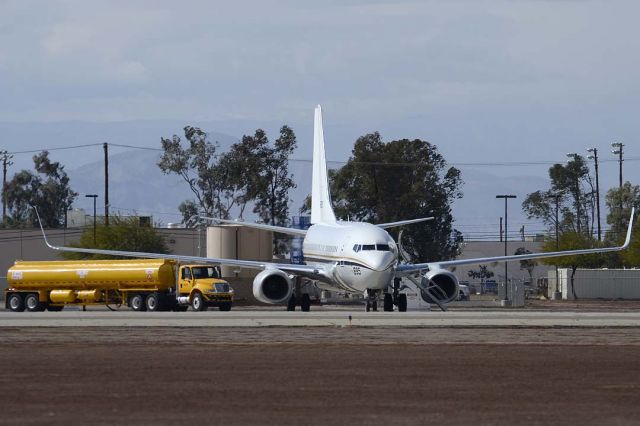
x,y
441,285
272,286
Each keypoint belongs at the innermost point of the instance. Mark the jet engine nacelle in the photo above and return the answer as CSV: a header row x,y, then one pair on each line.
x,y
439,284
272,286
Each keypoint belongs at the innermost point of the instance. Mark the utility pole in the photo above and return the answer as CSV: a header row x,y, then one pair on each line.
x,y
619,151
556,294
106,183
594,157
6,161
575,158
505,302
500,229
94,196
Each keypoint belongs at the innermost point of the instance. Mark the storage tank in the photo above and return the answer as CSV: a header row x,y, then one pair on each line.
x,y
92,274
239,242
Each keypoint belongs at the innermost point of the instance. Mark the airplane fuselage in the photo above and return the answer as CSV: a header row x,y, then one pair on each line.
x,y
357,255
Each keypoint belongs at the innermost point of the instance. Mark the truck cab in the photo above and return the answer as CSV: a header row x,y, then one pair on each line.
x,y
201,287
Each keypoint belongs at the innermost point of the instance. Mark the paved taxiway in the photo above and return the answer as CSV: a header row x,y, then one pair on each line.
x,y
325,317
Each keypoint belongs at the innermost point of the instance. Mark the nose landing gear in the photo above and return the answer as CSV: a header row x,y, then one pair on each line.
x,y
372,300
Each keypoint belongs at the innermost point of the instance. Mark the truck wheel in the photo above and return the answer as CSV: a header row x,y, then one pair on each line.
x,y
136,302
225,307
197,303
153,302
402,302
15,302
32,303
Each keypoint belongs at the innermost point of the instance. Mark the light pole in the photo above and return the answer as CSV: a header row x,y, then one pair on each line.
x,y
94,196
575,158
6,161
594,157
557,294
506,238
619,150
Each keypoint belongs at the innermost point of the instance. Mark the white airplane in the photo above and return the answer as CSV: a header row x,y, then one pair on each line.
x,y
351,257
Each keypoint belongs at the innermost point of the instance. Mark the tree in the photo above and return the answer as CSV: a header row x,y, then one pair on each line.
x,y
482,273
48,190
196,165
188,209
574,186
241,170
572,240
628,197
123,233
272,199
386,182
529,264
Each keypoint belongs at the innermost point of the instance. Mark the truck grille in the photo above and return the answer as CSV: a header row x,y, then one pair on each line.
x,y
222,287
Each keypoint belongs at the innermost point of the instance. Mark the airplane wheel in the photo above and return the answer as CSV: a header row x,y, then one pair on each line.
x,y
305,303
291,305
388,302
374,306
368,306
402,302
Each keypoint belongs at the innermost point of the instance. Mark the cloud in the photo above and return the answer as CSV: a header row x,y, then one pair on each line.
x,y
276,59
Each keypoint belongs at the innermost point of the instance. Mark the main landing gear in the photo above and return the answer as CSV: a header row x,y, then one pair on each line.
x,y
305,303
304,299
390,299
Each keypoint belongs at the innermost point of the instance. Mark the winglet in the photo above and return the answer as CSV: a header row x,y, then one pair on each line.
x,y
627,240
42,229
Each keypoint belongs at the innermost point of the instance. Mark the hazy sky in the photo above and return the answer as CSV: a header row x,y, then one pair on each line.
x,y
483,80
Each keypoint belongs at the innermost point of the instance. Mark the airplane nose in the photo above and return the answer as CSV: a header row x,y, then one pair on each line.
x,y
383,262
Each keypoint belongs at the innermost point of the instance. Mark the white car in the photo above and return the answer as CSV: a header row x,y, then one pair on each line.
x,y
463,293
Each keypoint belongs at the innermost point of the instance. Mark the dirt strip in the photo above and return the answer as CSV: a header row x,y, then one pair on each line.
x,y
320,376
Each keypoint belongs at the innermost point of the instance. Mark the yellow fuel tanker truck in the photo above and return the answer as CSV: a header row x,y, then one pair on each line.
x,y
142,284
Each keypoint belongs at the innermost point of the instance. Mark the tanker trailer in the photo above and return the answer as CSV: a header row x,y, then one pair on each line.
x,y
142,284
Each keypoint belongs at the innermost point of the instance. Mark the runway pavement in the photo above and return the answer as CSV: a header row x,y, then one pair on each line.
x,y
321,318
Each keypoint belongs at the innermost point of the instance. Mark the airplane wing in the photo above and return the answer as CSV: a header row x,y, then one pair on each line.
x,y
403,222
281,229
410,268
309,271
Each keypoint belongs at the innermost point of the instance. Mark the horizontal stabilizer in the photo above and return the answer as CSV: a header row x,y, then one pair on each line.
x,y
403,222
263,226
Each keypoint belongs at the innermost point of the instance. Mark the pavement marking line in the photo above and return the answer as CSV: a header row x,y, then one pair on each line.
x,y
256,318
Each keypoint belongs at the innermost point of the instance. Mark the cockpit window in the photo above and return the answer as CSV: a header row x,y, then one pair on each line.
x,y
383,247
368,247
356,248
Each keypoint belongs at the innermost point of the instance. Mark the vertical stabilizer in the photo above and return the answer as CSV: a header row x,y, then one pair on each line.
x,y
321,209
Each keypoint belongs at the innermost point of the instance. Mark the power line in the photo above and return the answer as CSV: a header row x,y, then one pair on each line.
x,y
338,162
54,149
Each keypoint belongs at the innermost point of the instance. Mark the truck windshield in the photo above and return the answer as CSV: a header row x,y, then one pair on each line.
x,y
204,272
